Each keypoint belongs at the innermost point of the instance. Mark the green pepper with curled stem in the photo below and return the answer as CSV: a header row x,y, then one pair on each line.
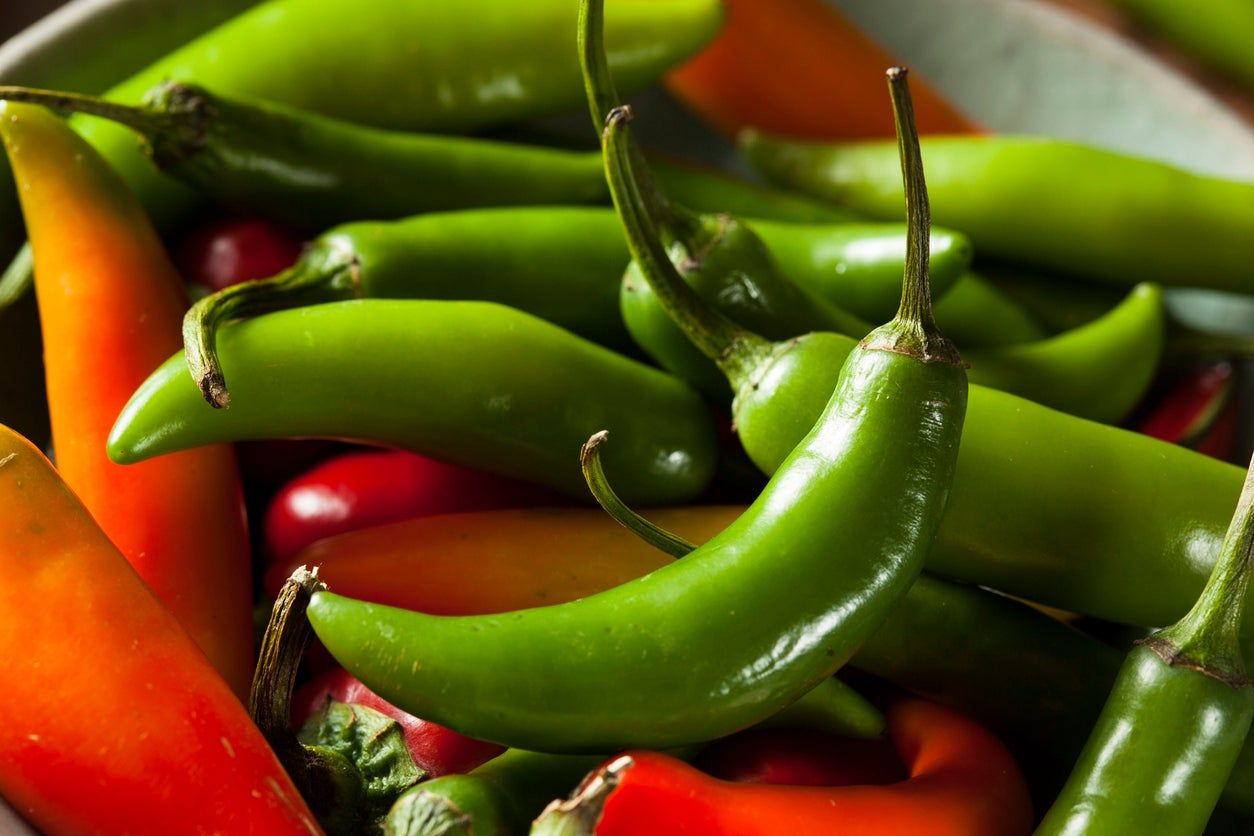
x,y
1045,506
441,67
740,627
563,264
470,382
310,171
687,324
1074,208
1178,715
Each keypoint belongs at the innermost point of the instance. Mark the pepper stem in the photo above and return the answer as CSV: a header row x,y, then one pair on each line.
x,y
656,536
671,219
580,814
172,132
1207,638
326,779
320,276
735,349
913,331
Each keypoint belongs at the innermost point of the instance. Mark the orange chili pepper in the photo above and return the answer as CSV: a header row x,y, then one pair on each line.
x,y
114,721
962,782
111,309
468,564
798,68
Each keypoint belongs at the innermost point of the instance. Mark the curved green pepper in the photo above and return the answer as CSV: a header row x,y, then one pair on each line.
x,y
1019,198
417,66
1177,718
563,264
740,627
474,383
310,171
978,314
1045,506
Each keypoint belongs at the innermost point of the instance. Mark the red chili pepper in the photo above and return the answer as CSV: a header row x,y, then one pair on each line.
x,y
1193,407
800,758
362,490
798,68
115,722
111,308
435,749
234,250
962,782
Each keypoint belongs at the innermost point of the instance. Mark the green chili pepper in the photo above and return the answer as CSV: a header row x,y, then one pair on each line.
x,y
563,264
1219,36
470,382
724,342
1020,198
1044,506
416,66
978,314
740,627
1179,713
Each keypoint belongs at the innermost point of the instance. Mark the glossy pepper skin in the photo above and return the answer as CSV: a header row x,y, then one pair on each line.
x,y
1044,506
415,73
774,59
1036,682
471,382
311,171
742,626
563,264
166,747
962,782
1143,220
375,487
110,304
1177,717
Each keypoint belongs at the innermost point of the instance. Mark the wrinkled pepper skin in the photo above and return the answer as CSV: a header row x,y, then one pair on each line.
x,y
473,383
111,304
117,722
1143,221
436,750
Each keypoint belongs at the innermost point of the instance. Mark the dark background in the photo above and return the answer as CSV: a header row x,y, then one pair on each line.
x,y
16,14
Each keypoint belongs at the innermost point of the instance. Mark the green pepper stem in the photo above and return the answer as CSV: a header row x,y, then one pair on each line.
x,y
673,220
913,331
736,350
1207,639
328,781
608,499
322,275
172,132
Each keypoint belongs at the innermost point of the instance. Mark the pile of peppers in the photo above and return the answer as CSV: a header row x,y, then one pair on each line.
x,y
382,472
